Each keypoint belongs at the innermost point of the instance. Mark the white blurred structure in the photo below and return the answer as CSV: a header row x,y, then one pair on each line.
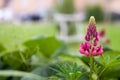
x,y
6,15
62,20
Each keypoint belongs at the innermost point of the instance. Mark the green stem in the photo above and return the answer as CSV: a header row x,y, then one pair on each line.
x,y
22,57
91,62
24,62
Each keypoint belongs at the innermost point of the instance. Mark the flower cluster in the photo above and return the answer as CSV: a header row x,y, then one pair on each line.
x,y
89,47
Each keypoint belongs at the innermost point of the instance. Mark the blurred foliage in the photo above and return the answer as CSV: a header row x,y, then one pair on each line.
x,y
65,6
40,58
107,65
2,48
31,76
18,59
46,45
111,62
61,71
69,72
37,52
95,11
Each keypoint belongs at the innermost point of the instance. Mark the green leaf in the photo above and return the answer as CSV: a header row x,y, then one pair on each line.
x,y
46,45
69,71
109,62
44,71
54,78
113,65
13,59
17,58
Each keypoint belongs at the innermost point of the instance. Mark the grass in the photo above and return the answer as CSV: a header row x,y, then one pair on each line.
x,y
113,33
12,36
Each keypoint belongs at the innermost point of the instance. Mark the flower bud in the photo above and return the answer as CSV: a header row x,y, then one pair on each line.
x,y
87,38
95,42
92,19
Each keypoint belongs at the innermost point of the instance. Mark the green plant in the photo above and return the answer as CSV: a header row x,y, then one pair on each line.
x,y
106,67
37,53
90,47
95,11
109,64
69,71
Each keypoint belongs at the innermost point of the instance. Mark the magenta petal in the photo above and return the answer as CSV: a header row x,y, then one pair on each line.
x,y
88,45
95,42
83,45
86,53
81,50
94,53
100,50
87,38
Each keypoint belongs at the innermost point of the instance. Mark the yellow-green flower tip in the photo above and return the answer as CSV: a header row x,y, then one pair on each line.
x,y
92,19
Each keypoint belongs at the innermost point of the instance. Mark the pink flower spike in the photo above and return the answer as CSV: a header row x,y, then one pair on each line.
x,y
91,31
92,39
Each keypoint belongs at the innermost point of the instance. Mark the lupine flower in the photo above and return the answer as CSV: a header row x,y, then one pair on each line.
x,y
102,33
90,46
103,37
107,41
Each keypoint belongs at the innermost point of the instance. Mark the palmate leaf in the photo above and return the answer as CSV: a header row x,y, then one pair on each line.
x,y
69,71
31,76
